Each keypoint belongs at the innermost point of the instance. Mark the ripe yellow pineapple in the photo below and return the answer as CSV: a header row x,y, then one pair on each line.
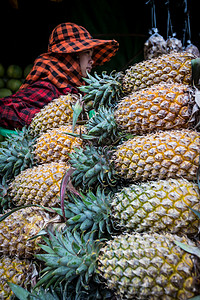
x,y
175,67
58,112
162,106
166,154
39,185
17,228
56,145
13,270
161,155
21,151
108,89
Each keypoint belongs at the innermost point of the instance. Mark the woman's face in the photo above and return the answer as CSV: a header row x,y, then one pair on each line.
x,y
86,62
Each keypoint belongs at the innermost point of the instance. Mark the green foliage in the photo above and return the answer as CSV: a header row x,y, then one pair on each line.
x,y
103,91
4,197
103,126
90,212
43,294
16,153
93,167
68,256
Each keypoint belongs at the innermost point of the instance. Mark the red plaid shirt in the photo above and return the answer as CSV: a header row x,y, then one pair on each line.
x,y
18,110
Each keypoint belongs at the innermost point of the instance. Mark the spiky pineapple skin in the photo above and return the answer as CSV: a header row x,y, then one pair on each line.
x,y
148,266
56,113
39,185
162,155
162,106
175,67
56,145
12,270
157,206
18,228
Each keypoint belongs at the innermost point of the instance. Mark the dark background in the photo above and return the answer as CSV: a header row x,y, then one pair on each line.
x,y
24,32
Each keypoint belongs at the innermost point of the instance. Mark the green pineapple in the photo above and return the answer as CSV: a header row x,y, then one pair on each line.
x,y
144,266
154,206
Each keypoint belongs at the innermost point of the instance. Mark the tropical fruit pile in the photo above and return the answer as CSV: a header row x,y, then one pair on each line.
x,y
11,78
100,195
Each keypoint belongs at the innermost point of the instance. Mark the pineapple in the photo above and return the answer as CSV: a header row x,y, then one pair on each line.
x,y
148,266
154,206
56,113
22,151
107,90
142,266
174,67
170,154
17,228
55,145
13,270
92,166
161,107
39,185
161,155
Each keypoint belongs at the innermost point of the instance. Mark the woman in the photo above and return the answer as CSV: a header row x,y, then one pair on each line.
x,y
72,52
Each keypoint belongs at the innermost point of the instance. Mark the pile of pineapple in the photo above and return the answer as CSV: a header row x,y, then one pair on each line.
x,y
100,192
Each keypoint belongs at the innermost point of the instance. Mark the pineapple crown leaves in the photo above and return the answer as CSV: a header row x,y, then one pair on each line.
x,y
78,112
59,293
5,201
101,127
92,167
38,294
16,153
105,90
91,213
69,255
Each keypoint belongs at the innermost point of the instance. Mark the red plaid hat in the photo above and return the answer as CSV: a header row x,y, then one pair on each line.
x,y
72,38
59,66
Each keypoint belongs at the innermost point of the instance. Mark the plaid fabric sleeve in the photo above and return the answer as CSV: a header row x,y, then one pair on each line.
x,y
18,109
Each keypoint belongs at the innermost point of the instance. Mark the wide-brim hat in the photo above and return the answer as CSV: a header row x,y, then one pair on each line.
x,y
72,38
